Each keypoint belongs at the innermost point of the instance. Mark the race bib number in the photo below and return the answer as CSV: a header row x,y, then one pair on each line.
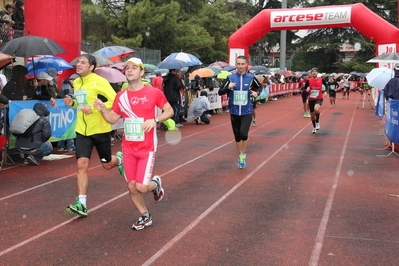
x,y
332,87
81,98
240,98
133,129
314,94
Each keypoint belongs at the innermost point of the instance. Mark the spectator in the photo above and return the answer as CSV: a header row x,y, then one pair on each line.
x,y
67,85
157,81
6,31
43,90
198,108
18,17
16,87
172,85
53,84
35,145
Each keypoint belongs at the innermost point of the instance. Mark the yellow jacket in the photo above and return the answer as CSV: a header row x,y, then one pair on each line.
x,y
87,89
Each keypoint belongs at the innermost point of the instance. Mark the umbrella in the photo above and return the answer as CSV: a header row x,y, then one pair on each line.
x,y
214,69
150,66
190,59
119,65
339,75
229,68
379,77
220,63
172,64
45,63
5,60
259,68
114,53
29,46
101,61
202,72
223,74
391,58
111,74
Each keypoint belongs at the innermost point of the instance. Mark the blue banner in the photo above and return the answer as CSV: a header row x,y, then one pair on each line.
x,y
392,121
379,109
62,120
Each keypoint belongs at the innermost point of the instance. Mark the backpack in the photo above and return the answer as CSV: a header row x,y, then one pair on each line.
x,y
23,123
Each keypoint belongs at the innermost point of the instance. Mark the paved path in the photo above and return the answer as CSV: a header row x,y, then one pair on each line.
x,y
303,199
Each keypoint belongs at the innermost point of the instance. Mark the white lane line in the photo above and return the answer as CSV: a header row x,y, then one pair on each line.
x,y
216,204
314,258
125,193
42,185
57,226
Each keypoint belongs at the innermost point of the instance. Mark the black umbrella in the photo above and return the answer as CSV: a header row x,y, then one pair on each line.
x,y
28,46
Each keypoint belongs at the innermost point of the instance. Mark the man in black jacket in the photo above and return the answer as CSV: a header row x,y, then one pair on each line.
x,y
172,85
35,146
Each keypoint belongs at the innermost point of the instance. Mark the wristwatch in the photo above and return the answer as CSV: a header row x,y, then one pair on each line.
x,y
156,120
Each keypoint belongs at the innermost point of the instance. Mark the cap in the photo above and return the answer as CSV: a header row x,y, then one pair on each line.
x,y
43,75
74,76
396,67
136,61
315,68
8,6
158,73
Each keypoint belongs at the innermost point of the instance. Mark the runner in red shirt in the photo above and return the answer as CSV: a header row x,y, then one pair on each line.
x,y
138,107
304,95
314,86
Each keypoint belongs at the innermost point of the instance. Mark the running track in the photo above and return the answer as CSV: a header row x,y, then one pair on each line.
x,y
303,199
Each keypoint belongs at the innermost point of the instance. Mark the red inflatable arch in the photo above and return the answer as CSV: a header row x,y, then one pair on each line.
x,y
384,34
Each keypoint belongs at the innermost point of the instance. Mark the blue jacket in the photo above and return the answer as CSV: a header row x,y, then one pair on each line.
x,y
240,102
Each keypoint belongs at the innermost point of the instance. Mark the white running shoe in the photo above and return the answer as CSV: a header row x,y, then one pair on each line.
x,y
317,126
314,131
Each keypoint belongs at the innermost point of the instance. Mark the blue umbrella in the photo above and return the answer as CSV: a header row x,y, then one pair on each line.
x,y
45,63
172,64
229,68
190,59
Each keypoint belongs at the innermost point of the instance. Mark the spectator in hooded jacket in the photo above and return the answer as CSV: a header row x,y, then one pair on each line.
x,y
16,87
391,90
35,147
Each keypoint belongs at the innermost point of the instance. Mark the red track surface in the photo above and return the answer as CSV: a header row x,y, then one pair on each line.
x,y
303,199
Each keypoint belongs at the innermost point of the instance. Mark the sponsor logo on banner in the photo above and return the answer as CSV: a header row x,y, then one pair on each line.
x,y
311,17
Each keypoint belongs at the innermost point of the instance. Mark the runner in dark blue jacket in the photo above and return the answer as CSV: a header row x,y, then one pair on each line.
x,y
241,87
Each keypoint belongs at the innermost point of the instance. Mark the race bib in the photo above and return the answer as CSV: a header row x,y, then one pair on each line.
x,y
332,87
314,94
81,98
133,129
240,98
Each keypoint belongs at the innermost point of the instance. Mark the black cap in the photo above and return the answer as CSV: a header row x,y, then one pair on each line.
x,y
3,99
315,68
9,6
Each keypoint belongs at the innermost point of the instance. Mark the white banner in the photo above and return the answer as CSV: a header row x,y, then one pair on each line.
x,y
311,17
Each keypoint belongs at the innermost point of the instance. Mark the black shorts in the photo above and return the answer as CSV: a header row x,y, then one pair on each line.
x,y
313,103
332,93
84,146
304,96
241,125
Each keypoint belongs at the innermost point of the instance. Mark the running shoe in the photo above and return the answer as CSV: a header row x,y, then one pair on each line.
x,y
32,160
142,222
317,126
305,115
158,191
254,123
241,161
120,166
314,130
78,209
